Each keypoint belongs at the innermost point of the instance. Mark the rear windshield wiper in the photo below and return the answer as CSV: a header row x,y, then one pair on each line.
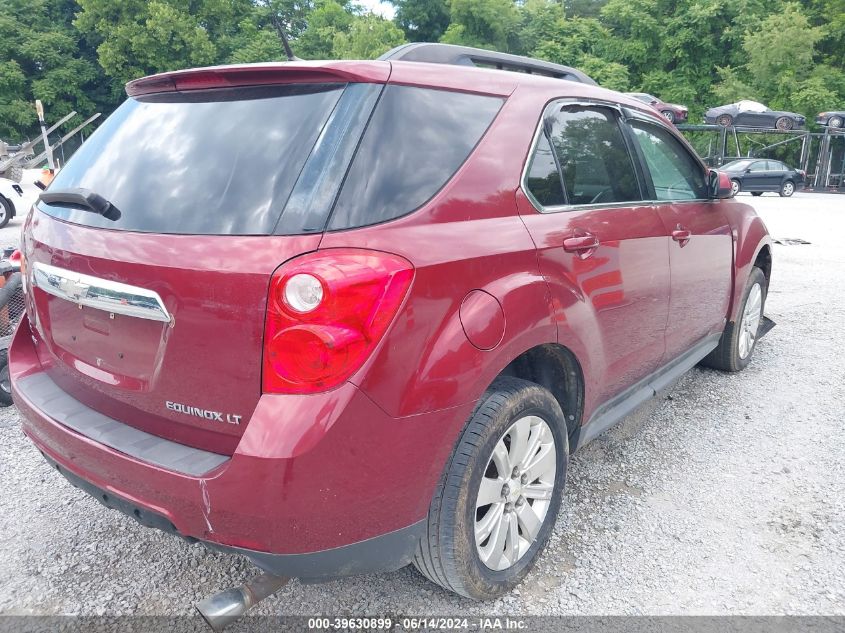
x,y
82,198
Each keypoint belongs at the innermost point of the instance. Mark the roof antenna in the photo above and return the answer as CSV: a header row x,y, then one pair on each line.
x,y
280,30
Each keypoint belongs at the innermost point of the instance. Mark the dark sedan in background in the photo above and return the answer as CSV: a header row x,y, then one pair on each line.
x,y
832,119
758,175
673,112
753,114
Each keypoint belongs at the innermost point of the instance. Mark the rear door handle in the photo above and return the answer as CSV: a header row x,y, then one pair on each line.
x,y
581,243
681,235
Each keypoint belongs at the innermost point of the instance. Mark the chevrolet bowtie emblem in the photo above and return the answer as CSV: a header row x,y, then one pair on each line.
x,y
74,289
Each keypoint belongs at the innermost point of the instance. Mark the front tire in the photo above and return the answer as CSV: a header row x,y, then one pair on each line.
x,y
835,121
487,526
756,193
740,338
736,187
725,120
670,116
787,189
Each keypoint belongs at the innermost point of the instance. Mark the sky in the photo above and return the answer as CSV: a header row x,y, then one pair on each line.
x,y
384,9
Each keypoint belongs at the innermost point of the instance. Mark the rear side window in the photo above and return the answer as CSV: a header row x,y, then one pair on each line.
x,y
676,175
415,142
593,156
220,162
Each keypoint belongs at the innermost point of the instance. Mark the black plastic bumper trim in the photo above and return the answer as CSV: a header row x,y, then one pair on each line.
x,y
50,400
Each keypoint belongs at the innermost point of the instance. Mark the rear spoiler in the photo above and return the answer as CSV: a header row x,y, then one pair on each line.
x,y
260,74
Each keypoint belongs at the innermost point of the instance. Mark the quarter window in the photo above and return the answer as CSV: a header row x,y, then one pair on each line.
x,y
543,179
675,174
415,142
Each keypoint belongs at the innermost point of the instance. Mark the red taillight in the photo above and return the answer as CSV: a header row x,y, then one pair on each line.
x,y
15,257
324,324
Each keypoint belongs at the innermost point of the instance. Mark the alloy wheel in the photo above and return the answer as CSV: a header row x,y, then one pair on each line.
x,y
750,323
788,189
734,187
515,493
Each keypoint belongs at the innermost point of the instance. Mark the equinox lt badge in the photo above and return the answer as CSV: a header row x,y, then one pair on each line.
x,y
217,416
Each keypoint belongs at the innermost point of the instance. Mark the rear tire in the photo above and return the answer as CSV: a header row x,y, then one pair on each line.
x,y
736,187
450,553
787,189
756,193
731,354
725,120
835,121
784,123
5,384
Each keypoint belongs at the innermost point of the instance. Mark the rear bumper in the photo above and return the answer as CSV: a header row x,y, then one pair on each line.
x,y
380,553
319,486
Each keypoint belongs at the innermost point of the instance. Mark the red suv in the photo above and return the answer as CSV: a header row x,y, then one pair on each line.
x,y
340,317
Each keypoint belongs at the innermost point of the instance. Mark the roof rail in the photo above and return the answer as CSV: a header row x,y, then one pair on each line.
x,y
466,56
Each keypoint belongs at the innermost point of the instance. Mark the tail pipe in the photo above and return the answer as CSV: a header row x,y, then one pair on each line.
x,y
224,608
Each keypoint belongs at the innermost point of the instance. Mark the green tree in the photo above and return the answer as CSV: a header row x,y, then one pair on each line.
x,y
139,38
325,23
490,24
782,68
256,43
42,58
782,49
422,20
368,37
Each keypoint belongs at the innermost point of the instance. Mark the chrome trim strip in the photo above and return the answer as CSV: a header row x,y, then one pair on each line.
x,y
101,294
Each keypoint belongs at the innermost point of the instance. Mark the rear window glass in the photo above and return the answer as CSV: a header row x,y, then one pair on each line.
x,y
415,142
593,156
211,162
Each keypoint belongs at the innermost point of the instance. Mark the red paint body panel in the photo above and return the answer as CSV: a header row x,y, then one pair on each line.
x,y
613,304
313,472
216,289
701,272
287,488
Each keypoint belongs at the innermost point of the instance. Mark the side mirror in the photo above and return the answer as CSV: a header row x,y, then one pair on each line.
x,y
719,184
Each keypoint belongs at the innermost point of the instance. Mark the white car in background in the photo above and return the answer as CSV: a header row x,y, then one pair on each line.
x,y
11,199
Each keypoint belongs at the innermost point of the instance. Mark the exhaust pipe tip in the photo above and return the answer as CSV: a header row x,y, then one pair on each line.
x,y
222,609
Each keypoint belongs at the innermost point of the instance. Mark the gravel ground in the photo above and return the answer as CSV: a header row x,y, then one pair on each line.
x,y
726,495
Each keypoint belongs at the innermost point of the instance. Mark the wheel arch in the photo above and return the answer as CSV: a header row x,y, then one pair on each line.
x,y
753,247
763,261
557,369
10,203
